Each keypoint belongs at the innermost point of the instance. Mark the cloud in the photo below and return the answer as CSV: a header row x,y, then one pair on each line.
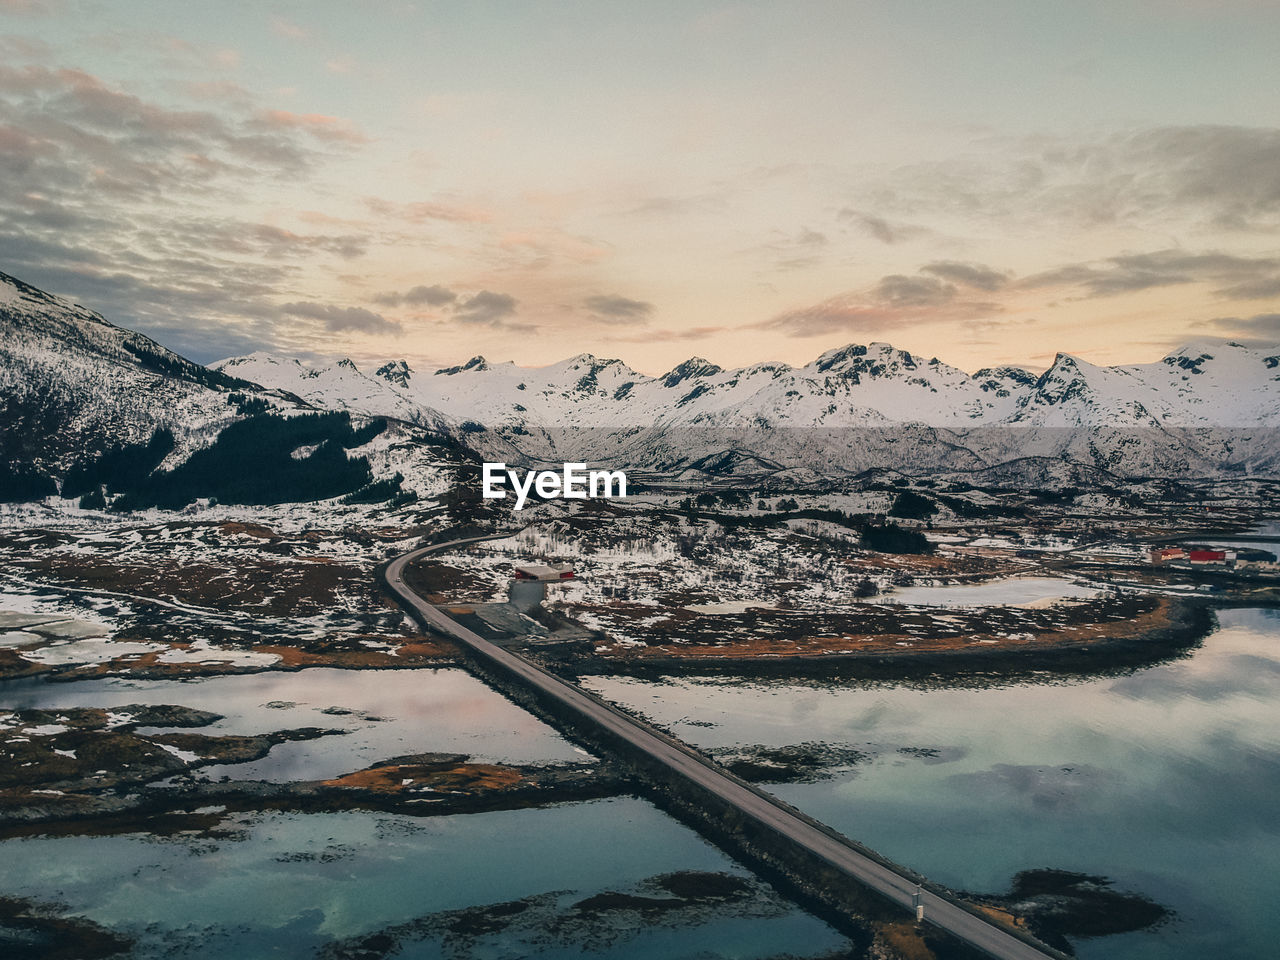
x,y
894,302
1214,177
288,29
1232,174
689,333
879,227
843,314
103,138
13,47
1234,276
319,125
540,248
902,291
486,307
219,91
207,341
222,311
281,242
716,201
1264,326
968,274
792,251
342,319
432,296
616,309
1259,288
423,212
120,201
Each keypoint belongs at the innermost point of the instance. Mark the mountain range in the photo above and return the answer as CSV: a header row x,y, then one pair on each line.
x,y
71,383
1206,409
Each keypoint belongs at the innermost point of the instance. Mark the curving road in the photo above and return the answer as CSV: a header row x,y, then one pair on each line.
x,y
688,763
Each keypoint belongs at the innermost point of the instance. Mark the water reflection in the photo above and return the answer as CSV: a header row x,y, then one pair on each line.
x,y
1164,780
383,713
295,884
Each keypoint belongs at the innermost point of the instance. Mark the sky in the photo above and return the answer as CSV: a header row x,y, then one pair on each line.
x,y
989,183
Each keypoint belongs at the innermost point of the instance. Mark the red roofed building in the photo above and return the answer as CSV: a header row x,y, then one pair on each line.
x,y
1207,556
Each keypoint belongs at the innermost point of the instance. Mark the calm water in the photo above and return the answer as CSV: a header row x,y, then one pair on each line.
x,y
295,883
391,713
1165,780
1009,592
289,884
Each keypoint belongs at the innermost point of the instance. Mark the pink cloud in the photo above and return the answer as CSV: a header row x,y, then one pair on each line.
x,y
423,211
550,245
319,125
289,30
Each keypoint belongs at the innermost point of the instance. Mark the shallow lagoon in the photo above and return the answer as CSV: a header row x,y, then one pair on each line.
x,y
1164,780
296,883
391,713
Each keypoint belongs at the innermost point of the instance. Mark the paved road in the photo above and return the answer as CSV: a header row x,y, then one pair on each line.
x,y
691,765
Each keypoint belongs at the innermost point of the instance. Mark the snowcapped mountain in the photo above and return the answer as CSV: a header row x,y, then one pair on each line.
x,y
74,388
70,382
1205,408
341,386
854,386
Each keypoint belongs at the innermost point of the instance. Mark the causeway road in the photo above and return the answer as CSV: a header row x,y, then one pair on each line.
x,y
688,763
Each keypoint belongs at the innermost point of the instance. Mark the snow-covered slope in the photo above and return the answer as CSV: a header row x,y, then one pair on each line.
x,y
1201,385
1204,408
342,386
71,383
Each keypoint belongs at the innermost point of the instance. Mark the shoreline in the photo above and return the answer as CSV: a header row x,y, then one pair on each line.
x,y
1191,620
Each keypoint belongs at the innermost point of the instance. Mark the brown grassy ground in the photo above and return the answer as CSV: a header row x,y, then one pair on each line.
x,y
446,776
885,630
277,587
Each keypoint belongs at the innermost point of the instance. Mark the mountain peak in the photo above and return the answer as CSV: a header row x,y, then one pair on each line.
x,y
874,359
475,363
588,360
692,368
839,355
397,372
1067,360
257,358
